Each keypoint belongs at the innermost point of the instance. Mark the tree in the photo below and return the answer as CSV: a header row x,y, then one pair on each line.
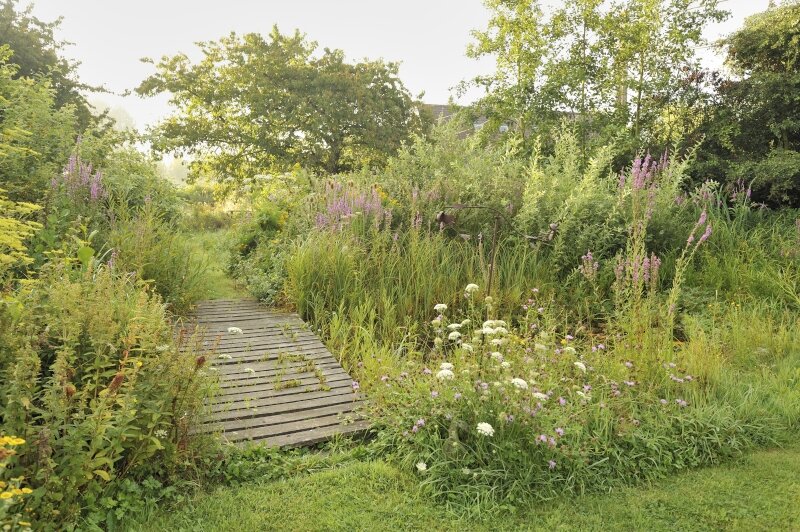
x,y
37,53
609,66
253,105
753,128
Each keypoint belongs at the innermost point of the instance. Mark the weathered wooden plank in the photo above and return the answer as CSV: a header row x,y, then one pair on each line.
x,y
273,349
236,387
231,371
238,357
269,342
339,381
267,397
236,419
319,434
249,334
298,401
253,378
288,428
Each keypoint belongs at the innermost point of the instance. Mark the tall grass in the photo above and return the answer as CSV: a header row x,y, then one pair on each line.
x,y
398,278
157,252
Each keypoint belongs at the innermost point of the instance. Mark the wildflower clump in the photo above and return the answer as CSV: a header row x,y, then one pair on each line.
x,y
527,415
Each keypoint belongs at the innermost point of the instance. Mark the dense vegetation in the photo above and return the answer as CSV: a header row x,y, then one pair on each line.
x,y
593,290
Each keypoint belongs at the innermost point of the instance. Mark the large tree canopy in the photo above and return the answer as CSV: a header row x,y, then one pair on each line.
x,y
752,131
254,104
611,66
37,53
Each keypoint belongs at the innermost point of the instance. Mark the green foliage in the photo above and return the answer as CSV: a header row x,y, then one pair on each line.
x,y
35,137
749,494
611,67
753,128
145,243
445,170
94,382
15,229
254,105
39,55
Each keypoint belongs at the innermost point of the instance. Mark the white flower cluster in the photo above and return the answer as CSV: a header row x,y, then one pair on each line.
x,y
470,289
485,429
519,383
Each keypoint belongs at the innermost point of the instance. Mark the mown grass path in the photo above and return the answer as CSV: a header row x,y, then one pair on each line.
x,y
759,492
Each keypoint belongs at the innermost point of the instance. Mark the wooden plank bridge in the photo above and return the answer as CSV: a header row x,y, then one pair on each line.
x,y
278,383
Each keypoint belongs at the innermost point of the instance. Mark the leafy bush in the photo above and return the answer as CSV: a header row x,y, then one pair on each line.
x,y
93,381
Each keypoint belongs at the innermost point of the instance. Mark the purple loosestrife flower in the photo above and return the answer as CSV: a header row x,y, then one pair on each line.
x,y
706,234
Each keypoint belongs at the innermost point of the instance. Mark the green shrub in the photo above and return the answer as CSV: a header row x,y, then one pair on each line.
x,y
94,382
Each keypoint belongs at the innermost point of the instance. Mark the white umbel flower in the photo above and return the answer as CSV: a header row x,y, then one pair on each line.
x,y
519,383
485,429
446,365
541,396
467,347
445,375
581,366
540,347
453,336
505,364
234,330
422,467
454,326
470,289
497,356
440,307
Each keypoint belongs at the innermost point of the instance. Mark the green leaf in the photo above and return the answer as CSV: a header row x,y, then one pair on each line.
x,y
85,254
102,474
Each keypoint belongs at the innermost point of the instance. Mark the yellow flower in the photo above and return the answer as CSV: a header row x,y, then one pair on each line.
x,y
6,495
24,523
16,491
26,491
3,485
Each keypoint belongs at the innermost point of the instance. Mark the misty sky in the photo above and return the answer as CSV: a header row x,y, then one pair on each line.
x,y
428,37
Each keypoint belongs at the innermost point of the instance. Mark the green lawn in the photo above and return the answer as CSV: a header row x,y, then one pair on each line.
x,y
760,492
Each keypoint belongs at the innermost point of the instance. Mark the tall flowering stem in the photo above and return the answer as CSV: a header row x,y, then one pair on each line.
x,y
694,241
637,271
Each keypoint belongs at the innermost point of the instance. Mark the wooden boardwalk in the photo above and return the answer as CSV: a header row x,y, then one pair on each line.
x,y
278,383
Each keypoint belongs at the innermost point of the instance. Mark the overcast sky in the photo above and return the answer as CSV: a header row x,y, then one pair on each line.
x,y
428,37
